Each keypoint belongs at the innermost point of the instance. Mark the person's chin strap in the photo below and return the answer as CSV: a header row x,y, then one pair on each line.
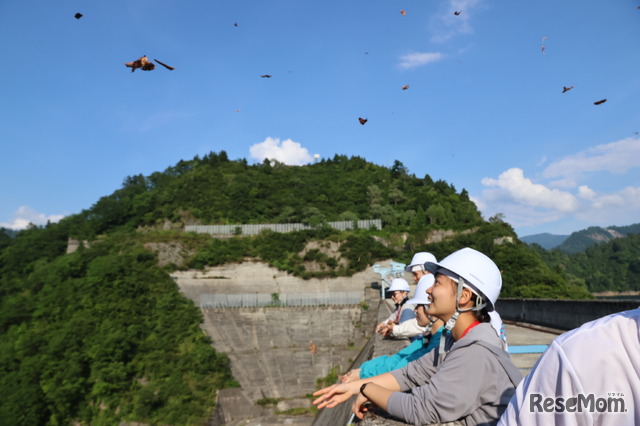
x,y
428,328
480,303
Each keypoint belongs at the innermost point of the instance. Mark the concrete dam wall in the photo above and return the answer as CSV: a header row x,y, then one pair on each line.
x,y
275,351
270,348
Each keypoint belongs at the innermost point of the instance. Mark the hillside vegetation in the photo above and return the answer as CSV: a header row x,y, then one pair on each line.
x,y
579,241
611,266
103,335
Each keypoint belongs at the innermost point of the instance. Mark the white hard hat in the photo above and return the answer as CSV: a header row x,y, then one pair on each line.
x,y
420,297
399,284
419,259
479,272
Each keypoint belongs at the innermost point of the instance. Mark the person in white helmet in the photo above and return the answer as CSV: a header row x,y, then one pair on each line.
x,y
426,343
469,378
399,291
588,376
410,329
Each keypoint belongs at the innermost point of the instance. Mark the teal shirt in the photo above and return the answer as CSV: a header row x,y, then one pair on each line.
x,y
386,363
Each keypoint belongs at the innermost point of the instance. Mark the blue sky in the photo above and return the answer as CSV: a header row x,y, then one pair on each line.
x,y
484,109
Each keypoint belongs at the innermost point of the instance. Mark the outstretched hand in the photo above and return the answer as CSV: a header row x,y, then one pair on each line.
x,y
360,406
333,395
350,376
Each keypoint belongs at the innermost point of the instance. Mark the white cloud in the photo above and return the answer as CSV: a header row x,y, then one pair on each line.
x,y
586,193
413,60
26,215
287,152
615,157
618,208
447,25
513,185
526,203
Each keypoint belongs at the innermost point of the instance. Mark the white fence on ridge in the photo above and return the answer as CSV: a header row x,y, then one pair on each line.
x,y
255,229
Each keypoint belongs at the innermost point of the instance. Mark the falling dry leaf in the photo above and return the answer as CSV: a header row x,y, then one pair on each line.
x,y
601,101
566,89
78,15
457,12
143,63
313,348
403,12
405,87
362,120
164,65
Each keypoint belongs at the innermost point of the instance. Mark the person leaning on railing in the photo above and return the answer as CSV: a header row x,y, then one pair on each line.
x,y
427,341
399,291
469,378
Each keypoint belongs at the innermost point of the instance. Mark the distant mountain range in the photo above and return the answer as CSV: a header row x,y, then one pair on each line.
x,y
580,240
545,240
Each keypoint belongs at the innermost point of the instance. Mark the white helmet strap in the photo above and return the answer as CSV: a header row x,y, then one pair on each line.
x,y
480,303
428,328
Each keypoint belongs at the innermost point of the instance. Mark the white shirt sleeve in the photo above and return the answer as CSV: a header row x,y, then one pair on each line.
x,y
409,328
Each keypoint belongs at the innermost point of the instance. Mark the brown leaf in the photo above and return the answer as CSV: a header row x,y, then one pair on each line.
x,y
362,120
403,12
405,87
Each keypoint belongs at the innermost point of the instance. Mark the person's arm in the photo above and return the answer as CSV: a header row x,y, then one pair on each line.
x,y
386,363
408,328
407,313
384,323
371,392
337,394
453,392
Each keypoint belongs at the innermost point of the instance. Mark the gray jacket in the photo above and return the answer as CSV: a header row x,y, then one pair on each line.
x,y
473,382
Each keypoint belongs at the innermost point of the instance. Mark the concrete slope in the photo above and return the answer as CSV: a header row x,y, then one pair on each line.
x,y
269,347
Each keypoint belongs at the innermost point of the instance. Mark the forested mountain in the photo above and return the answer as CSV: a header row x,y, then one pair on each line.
x,y
610,266
579,241
103,335
215,190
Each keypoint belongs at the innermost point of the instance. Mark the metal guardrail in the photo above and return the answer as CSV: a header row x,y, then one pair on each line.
x,y
258,300
255,229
